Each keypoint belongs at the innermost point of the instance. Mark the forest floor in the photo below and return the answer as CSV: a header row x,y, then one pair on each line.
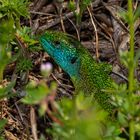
x,y
101,30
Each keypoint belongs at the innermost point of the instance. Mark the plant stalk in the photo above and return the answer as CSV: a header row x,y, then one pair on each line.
x,y
131,68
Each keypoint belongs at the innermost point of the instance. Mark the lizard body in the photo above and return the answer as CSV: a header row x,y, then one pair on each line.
x,y
87,75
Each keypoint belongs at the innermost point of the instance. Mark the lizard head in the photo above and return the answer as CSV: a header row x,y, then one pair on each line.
x,y
63,50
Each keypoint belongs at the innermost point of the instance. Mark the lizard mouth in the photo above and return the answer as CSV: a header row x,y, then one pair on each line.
x,y
47,46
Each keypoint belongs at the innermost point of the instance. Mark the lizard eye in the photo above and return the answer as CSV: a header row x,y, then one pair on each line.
x,y
73,60
57,43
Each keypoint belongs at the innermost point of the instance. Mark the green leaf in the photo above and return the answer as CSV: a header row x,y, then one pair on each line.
x,y
14,8
36,93
122,119
2,123
124,15
72,5
24,64
137,13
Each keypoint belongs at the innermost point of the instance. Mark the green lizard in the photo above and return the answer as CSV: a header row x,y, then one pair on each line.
x,y
87,75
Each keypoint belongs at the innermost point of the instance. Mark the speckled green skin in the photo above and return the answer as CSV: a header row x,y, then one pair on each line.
x,y
94,79
87,75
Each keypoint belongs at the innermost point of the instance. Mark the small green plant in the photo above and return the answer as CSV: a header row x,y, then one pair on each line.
x,y
78,7
81,119
36,92
129,111
13,10
10,13
127,99
2,124
24,65
25,34
6,35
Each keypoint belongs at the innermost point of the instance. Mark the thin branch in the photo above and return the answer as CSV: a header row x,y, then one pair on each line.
x,y
96,34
